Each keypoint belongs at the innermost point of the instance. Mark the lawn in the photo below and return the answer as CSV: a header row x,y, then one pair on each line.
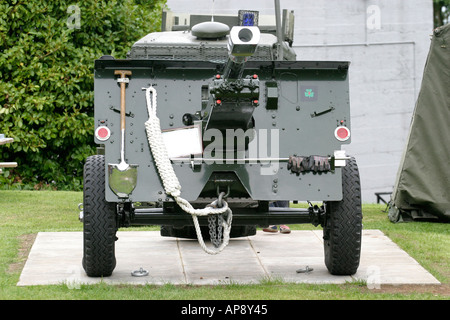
x,y
25,213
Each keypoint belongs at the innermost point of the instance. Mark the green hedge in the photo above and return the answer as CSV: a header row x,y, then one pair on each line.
x,y
47,53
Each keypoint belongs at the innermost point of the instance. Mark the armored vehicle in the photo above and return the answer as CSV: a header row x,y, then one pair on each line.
x,y
202,129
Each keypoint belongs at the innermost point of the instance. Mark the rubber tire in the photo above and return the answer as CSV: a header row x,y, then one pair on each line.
x,y
343,225
99,221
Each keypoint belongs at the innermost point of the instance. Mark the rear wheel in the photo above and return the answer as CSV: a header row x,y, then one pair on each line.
x,y
343,225
99,221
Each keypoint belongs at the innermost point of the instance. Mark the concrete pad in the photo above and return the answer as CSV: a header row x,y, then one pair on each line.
x,y
55,258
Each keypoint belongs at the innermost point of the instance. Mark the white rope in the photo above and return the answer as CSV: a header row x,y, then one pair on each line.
x,y
170,181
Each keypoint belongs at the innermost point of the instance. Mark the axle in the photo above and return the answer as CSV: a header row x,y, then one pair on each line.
x,y
272,216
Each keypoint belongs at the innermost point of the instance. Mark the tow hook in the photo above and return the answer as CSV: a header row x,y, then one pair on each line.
x,y
317,214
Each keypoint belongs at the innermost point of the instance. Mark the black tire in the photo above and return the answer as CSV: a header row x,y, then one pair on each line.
x,y
343,225
99,221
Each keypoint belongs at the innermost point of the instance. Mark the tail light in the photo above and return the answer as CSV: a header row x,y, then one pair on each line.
x,y
102,133
342,133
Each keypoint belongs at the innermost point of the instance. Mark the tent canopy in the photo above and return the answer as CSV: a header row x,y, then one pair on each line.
x,y
422,187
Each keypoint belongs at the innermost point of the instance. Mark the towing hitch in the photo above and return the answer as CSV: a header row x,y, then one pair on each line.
x,y
317,214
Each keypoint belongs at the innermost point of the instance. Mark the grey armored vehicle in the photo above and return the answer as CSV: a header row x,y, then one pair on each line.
x,y
202,129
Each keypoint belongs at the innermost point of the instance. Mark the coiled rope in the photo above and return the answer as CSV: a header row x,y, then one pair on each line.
x,y
170,181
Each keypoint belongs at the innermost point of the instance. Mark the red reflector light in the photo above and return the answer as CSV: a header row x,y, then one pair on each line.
x,y
102,133
342,133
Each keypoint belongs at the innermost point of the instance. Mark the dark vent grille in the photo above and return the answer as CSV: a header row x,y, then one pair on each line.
x,y
204,53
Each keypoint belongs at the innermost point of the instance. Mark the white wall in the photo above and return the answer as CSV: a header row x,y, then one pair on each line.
x,y
387,42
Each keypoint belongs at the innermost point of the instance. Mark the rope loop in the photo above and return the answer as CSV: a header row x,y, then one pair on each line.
x,y
170,181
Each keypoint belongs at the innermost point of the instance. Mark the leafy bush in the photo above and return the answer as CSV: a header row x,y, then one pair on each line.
x,y
47,53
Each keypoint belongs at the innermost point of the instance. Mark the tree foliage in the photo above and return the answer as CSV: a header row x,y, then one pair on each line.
x,y
47,53
441,12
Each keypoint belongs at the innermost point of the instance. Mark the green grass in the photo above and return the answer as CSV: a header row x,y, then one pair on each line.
x,y
25,213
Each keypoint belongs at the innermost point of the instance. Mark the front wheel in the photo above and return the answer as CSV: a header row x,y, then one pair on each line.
x,y
343,225
99,221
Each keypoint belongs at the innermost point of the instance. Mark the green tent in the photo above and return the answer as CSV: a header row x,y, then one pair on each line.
x,y
422,186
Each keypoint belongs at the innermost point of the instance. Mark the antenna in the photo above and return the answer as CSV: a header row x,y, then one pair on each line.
x,y
212,15
279,31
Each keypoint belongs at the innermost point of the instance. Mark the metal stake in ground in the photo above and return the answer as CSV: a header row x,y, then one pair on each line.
x,y
139,273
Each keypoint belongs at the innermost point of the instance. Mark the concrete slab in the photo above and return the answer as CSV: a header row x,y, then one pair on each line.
x,y
55,258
